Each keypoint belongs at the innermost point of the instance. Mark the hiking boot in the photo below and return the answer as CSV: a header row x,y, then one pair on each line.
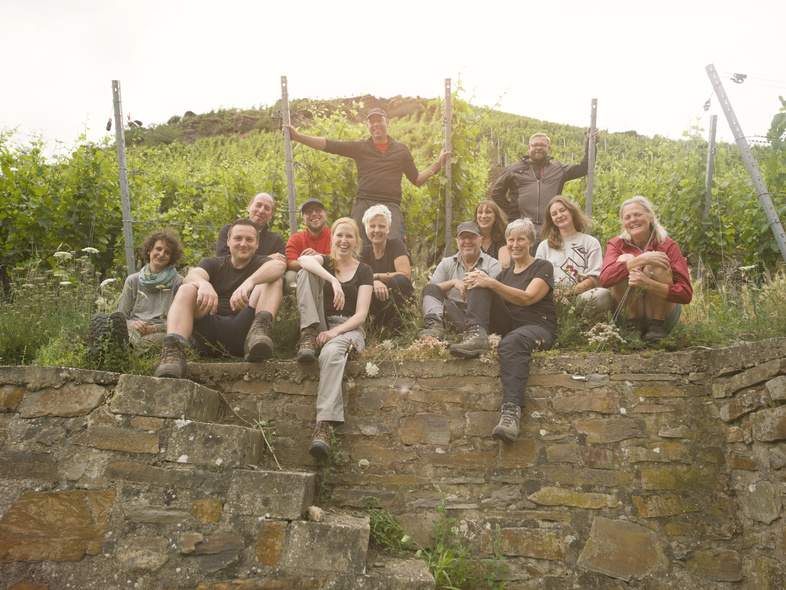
x,y
508,427
320,441
474,343
307,345
173,359
631,328
118,329
97,330
432,326
259,344
656,331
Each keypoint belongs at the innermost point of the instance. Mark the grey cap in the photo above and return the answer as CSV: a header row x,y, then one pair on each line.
x,y
376,111
311,202
469,226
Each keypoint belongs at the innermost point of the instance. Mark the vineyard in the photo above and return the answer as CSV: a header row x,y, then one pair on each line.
x,y
196,172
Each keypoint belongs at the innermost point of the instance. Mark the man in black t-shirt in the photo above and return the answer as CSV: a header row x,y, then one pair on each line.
x,y
227,301
260,212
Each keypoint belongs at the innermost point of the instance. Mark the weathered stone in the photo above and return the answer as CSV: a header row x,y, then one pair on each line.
x,y
607,431
596,458
678,478
145,423
600,404
744,403
621,550
563,453
10,396
142,554
338,544
778,456
279,582
68,401
716,565
293,388
270,541
734,434
765,573
568,476
165,398
663,505
551,496
462,458
749,378
504,496
214,444
207,510
396,574
214,551
680,431
154,514
429,429
110,438
652,409
275,494
481,423
420,526
525,542
769,424
567,381
737,462
762,502
662,452
663,390
27,465
26,586
775,387
365,426
27,532
520,454
379,454
139,473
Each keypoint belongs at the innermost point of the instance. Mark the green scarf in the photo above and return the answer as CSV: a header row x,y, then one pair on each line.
x,y
152,283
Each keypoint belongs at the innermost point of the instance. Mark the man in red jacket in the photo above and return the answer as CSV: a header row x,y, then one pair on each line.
x,y
315,239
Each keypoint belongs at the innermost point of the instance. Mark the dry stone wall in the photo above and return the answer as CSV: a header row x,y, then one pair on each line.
x,y
661,471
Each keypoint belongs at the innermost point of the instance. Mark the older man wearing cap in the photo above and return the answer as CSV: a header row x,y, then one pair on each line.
x,y
380,162
315,239
445,296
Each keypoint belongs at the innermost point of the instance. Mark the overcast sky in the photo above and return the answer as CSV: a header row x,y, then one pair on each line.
x,y
644,62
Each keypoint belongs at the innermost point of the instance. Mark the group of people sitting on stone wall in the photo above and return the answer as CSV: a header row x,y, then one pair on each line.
x,y
503,279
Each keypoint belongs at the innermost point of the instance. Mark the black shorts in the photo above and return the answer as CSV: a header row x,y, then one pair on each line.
x,y
216,334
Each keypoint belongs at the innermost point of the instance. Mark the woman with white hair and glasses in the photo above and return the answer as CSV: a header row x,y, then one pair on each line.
x,y
388,259
646,272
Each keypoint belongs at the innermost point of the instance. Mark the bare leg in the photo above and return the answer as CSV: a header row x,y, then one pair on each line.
x,y
183,312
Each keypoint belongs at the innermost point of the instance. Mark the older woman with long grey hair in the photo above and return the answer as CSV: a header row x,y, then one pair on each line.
x,y
518,305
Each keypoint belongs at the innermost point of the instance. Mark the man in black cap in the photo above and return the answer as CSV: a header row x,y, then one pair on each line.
x,y
444,296
381,162
315,239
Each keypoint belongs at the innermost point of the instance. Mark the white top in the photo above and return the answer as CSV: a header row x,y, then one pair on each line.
x,y
581,257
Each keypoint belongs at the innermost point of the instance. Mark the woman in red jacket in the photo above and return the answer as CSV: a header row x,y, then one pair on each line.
x,y
646,272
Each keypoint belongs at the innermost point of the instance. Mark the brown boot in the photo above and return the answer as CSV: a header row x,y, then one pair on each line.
x,y
307,345
321,441
259,344
173,360
508,427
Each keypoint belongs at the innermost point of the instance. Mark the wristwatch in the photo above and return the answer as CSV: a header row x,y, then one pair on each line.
x,y
377,277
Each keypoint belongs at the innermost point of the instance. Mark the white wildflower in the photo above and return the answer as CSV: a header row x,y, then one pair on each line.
x,y
90,250
63,255
60,274
65,283
106,282
372,370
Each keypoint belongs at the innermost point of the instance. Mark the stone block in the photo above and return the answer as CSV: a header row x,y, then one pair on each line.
x,y
716,565
762,502
27,465
214,444
308,388
273,494
110,438
429,429
208,510
365,426
621,550
569,476
165,398
602,404
769,424
380,455
145,423
27,532
68,401
278,582
678,478
596,458
337,544
765,573
568,453
552,496
664,390
608,431
775,387
662,452
10,396
744,403
657,506
481,423
421,526
396,574
536,543
141,554
520,454
155,514
748,378
148,474
461,457
212,552
777,455
269,541
737,462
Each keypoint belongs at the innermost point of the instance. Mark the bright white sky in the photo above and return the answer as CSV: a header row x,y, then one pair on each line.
x,y
644,62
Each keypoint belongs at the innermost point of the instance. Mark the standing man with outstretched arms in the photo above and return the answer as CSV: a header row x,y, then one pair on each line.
x,y
380,162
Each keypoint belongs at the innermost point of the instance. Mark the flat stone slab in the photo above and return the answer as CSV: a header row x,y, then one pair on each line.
x,y
166,398
337,544
273,494
221,445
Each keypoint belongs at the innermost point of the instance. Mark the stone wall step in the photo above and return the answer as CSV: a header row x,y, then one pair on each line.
x,y
166,398
222,445
395,574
